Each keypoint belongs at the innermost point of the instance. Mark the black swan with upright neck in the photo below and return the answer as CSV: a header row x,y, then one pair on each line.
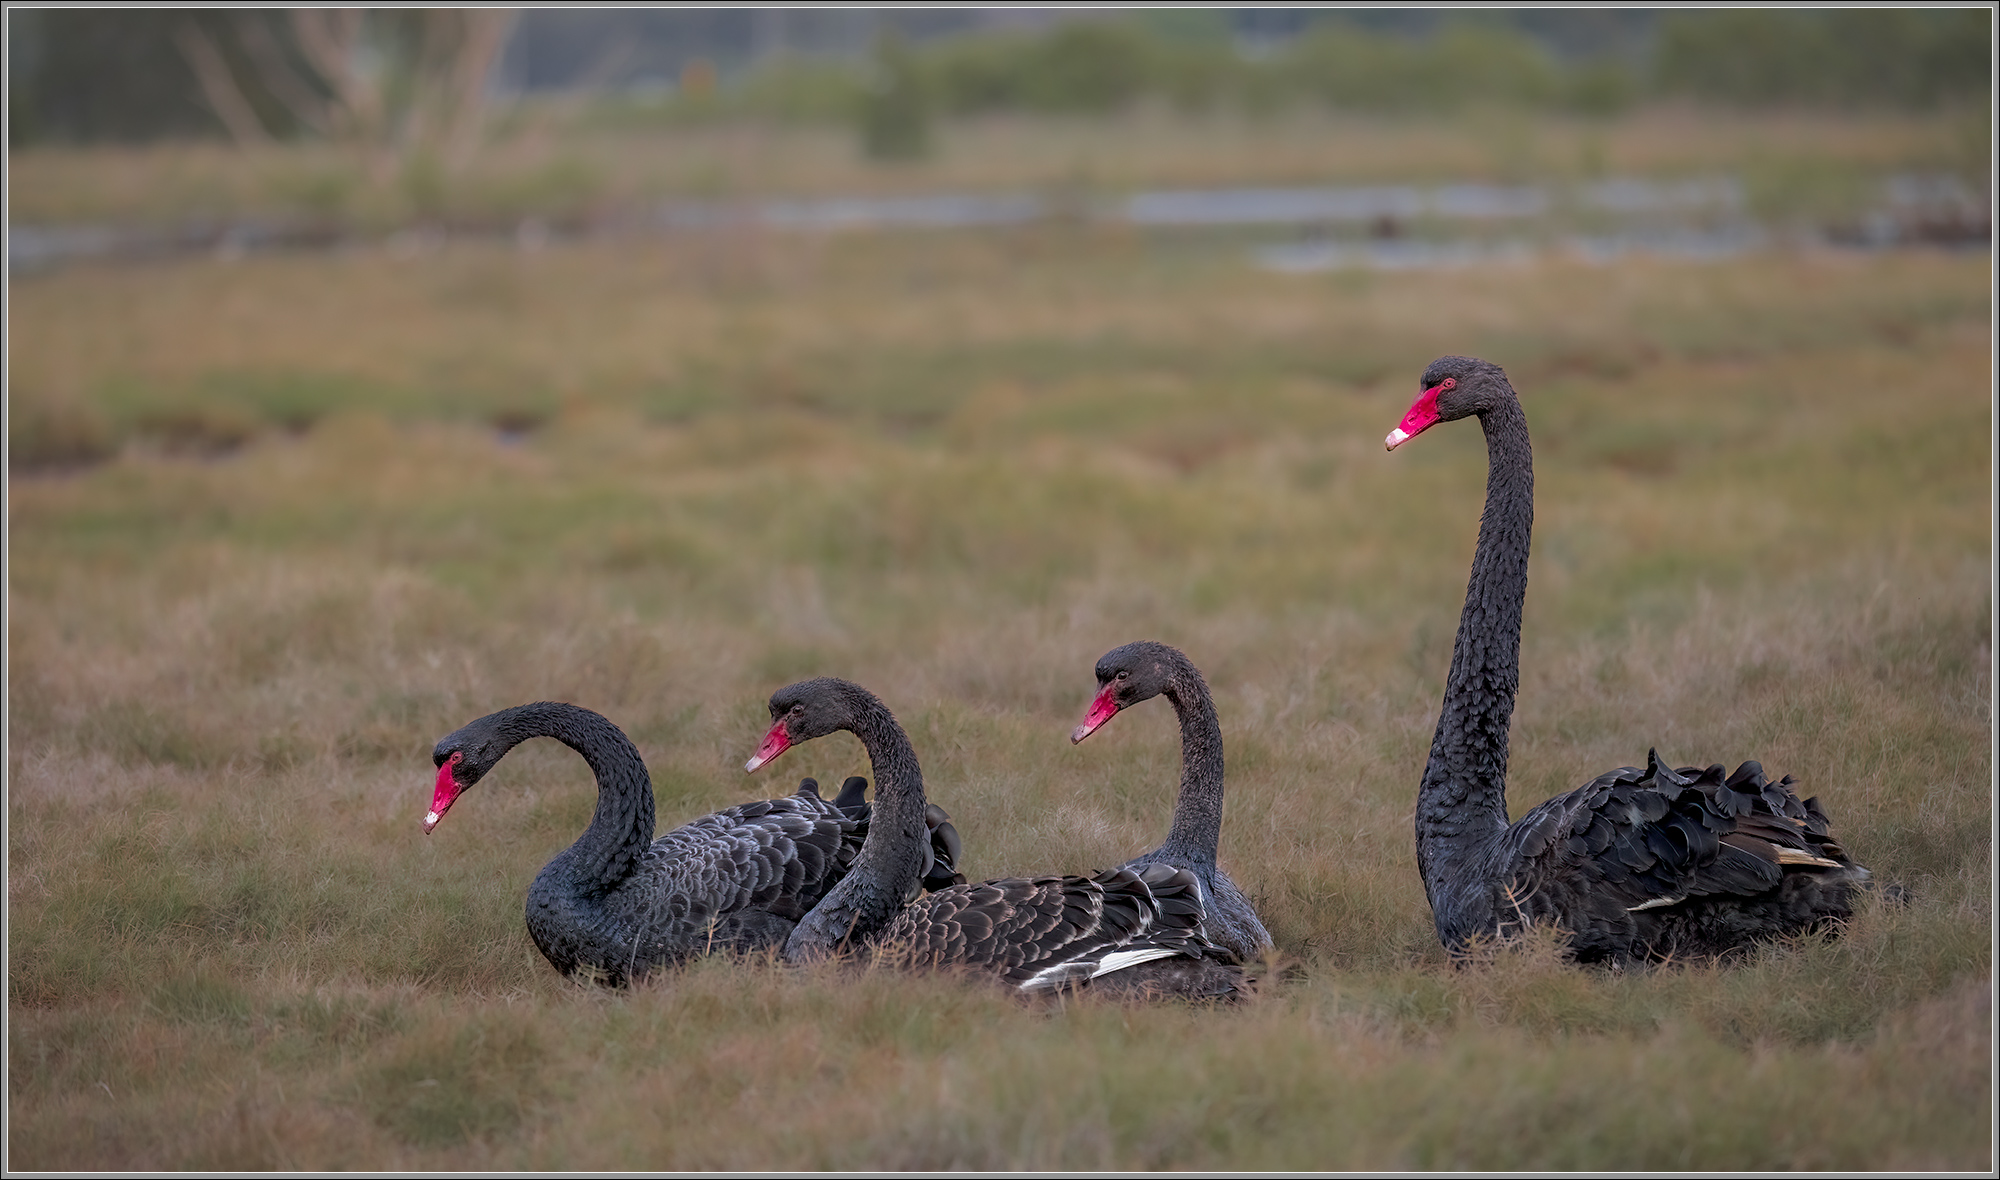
x,y
618,903
1634,865
1137,931
1138,672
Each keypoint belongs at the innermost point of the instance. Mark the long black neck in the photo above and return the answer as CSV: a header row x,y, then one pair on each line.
x,y
1463,802
892,857
622,829
1198,812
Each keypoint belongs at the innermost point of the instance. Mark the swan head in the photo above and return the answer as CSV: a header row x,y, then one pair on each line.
x,y
1452,387
807,710
1127,675
463,758
470,752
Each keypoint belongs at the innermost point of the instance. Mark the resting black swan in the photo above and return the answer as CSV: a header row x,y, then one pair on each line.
x,y
1635,865
618,903
1139,672
1136,931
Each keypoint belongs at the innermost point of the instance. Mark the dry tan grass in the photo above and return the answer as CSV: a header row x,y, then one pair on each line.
x,y
957,469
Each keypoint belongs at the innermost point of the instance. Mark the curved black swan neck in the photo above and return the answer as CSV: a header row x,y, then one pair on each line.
x,y
891,862
1462,804
621,830
1197,827
1138,672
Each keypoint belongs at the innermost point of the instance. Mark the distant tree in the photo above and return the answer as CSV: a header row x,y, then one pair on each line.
x,y
100,74
392,83
1839,57
1089,67
896,106
1353,68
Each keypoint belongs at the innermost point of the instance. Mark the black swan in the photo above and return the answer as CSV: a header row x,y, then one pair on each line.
x,y
618,903
1139,672
1132,930
1634,865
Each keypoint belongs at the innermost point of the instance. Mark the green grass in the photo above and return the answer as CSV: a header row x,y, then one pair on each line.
x,y
662,481
566,165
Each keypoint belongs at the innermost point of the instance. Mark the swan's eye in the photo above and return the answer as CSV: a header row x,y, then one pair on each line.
x,y
798,708
1124,676
1449,383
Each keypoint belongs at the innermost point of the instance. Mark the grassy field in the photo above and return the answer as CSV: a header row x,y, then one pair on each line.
x,y
567,164
277,524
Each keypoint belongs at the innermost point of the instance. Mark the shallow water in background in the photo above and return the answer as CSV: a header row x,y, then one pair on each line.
x,y
1391,227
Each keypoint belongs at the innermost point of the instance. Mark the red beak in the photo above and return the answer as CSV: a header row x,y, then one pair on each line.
x,y
444,795
1102,709
776,742
1421,417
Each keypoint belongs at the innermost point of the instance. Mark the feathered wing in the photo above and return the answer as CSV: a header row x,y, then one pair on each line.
x,y
1042,933
941,866
1230,920
736,868
941,869
738,879
1627,861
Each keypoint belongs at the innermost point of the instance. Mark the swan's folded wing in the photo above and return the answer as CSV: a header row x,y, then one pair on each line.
x,y
946,850
941,870
1633,839
776,855
1042,932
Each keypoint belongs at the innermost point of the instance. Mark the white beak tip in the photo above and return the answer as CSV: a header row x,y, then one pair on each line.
x,y
753,764
1396,439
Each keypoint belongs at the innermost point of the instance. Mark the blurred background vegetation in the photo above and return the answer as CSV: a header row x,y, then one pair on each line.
x,y
93,75
415,93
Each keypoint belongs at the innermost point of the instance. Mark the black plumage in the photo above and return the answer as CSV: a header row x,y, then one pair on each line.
x,y
1135,930
942,869
1138,672
618,903
1634,865
1041,933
